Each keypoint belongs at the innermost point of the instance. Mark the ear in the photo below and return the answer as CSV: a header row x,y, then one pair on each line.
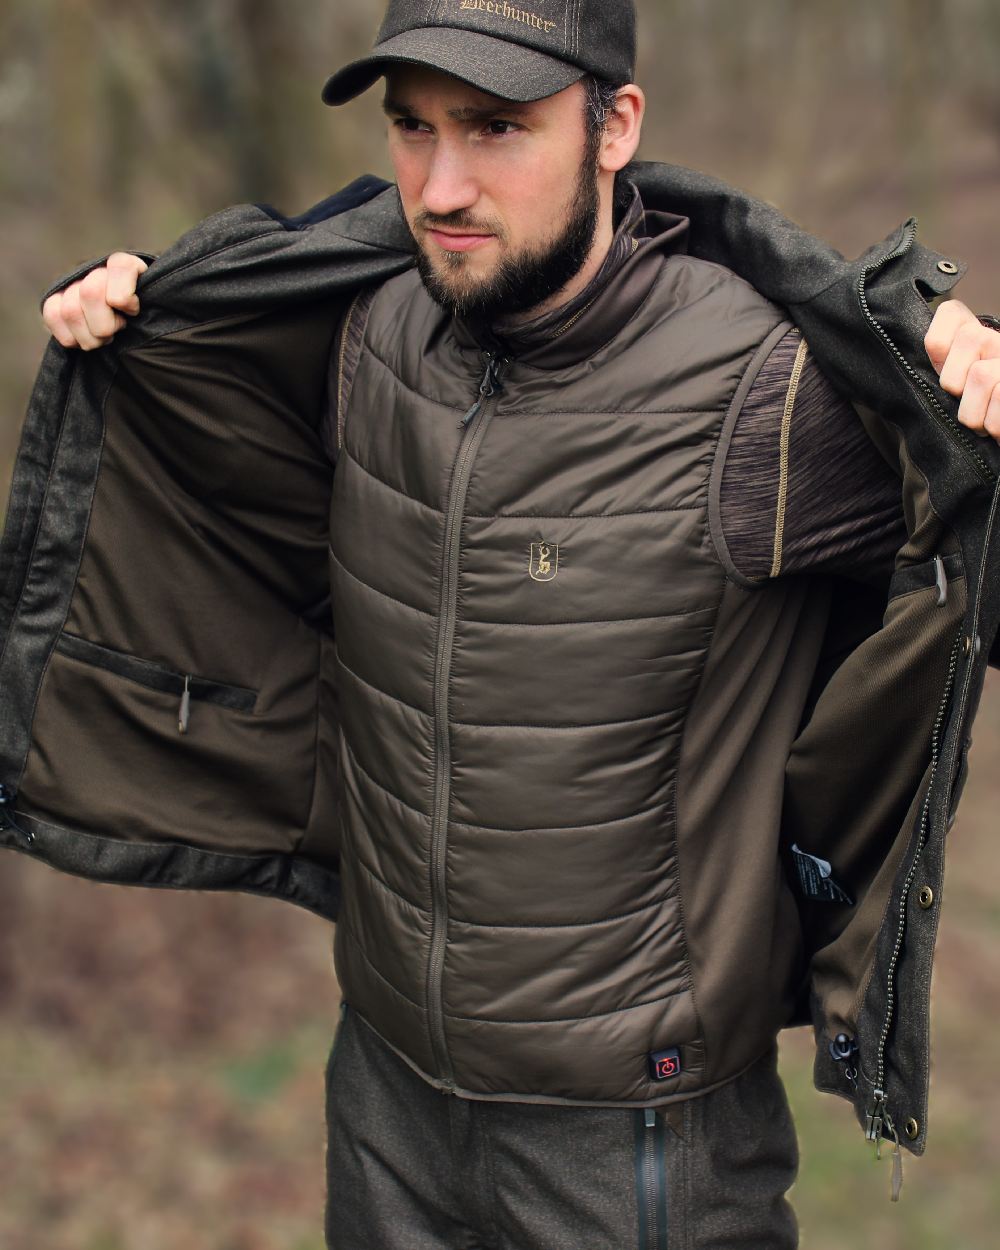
x,y
621,136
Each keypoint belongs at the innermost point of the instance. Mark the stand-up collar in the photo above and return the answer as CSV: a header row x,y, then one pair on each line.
x,y
579,327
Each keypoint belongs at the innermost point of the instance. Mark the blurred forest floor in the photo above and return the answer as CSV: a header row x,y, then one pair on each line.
x,y
162,1053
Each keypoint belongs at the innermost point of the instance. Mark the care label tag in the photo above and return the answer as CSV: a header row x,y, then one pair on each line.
x,y
816,879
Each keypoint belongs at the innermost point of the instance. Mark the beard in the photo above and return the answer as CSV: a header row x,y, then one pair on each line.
x,y
522,280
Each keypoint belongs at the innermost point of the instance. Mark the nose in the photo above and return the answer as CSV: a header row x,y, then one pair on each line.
x,y
450,185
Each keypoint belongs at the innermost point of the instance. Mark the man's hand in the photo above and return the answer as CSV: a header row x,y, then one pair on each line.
x,y
966,355
84,314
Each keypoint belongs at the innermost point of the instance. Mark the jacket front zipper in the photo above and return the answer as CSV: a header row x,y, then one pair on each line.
x,y
651,1178
473,426
954,431
878,1120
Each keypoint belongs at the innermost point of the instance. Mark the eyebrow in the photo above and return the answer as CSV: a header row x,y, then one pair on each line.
x,y
504,107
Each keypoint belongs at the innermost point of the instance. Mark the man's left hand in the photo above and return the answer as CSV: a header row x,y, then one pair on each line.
x,y
966,355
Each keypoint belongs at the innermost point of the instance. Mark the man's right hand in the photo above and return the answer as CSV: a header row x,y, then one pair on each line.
x,y
89,312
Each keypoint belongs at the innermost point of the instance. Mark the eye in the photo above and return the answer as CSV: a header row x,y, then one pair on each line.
x,y
500,128
410,126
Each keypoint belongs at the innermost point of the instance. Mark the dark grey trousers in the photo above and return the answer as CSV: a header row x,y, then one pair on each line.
x,y
412,1168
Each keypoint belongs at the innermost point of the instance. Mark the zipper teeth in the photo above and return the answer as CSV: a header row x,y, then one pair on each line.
x,y
476,422
890,1005
650,1185
957,434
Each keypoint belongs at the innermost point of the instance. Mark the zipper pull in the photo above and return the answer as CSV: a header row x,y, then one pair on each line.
x,y
490,384
7,821
874,1121
897,1167
185,713
650,1117
941,581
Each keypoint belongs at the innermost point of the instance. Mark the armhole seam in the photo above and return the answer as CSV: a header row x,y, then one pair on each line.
x,y
722,451
347,359
786,429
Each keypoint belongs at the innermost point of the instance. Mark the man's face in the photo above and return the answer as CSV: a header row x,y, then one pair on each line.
x,y
501,199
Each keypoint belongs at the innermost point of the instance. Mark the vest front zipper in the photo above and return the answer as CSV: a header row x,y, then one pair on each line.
x,y
473,426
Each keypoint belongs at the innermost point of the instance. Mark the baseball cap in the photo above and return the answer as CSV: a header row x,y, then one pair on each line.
x,y
516,49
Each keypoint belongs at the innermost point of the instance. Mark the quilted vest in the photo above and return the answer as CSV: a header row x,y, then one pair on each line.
x,y
525,591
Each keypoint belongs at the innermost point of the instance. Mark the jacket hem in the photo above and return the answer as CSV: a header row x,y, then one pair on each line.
x,y
178,866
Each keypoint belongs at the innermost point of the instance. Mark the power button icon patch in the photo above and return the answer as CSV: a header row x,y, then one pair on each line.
x,y
664,1064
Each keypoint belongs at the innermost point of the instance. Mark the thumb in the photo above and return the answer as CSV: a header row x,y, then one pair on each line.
x,y
128,304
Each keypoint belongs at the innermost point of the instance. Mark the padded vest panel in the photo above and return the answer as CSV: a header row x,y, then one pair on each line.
x,y
569,675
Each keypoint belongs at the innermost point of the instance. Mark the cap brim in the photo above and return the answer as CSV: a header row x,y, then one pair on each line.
x,y
496,66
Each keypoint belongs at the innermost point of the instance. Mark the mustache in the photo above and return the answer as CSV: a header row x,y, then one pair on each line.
x,y
460,219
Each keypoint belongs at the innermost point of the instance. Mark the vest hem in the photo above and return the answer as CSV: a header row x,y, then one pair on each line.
x,y
446,1087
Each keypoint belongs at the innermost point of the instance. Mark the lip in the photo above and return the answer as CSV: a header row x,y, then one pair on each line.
x,y
459,242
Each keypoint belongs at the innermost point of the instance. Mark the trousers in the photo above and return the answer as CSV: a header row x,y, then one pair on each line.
x,y
410,1167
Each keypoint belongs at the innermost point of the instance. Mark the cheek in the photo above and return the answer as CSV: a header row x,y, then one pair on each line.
x,y
532,194
410,178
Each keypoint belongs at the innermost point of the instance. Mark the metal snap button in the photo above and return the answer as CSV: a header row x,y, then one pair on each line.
x,y
926,897
912,1128
947,266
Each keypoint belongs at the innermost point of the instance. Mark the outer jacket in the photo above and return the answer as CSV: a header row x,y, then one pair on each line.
x,y
166,538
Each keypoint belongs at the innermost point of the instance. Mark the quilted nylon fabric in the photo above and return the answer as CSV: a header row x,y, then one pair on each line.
x,y
564,961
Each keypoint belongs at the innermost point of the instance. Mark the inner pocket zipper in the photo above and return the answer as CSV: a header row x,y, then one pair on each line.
x,y
157,677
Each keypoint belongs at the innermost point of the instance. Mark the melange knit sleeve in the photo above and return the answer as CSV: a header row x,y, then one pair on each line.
x,y
803,488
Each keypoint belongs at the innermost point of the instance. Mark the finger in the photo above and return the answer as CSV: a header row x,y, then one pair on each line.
x,y
73,316
992,423
981,383
54,323
972,342
945,324
99,317
123,273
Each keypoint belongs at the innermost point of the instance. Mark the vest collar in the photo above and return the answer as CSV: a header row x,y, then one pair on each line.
x,y
579,328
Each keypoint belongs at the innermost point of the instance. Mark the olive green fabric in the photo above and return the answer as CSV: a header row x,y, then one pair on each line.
x,y
201,443
252,268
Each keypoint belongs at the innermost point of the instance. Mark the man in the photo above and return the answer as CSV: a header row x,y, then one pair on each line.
x,y
602,534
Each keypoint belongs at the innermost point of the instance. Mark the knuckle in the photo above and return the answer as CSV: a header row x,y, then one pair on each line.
x,y
969,335
981,374
935,340
125,262
51,310
95,282
72,313
955,308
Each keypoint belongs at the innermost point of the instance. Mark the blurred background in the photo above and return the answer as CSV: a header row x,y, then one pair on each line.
x,y
161,1053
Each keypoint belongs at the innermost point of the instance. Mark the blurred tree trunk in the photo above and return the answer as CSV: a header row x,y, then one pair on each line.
x,y
69,83
918,39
